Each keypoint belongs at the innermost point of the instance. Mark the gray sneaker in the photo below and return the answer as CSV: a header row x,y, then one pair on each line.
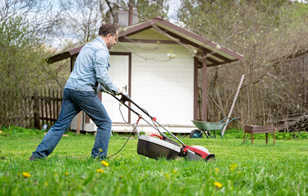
x,y
32,158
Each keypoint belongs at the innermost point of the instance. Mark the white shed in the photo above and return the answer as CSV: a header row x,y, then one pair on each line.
x,y
156,63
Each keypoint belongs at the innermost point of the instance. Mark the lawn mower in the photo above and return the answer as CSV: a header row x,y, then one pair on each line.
x,y
160,145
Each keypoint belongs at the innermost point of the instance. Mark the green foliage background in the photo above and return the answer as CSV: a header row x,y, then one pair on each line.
x,y
21,55
269,34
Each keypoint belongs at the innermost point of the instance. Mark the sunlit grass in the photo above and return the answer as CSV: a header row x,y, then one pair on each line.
x,y
239,169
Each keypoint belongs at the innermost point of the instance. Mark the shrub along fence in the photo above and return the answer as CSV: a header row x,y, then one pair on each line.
x,y
32,108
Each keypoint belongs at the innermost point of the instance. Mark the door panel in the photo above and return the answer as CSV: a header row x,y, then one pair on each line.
x,y
118,73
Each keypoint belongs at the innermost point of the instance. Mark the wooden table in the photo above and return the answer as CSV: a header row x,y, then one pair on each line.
x,y
255,129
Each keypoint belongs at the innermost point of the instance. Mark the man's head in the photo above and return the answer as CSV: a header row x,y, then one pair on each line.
x,y
109,33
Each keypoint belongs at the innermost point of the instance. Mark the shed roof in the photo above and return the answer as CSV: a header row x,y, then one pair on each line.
x,y
216,54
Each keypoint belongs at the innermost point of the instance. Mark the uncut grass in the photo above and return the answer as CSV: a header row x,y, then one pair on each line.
x,y
241,169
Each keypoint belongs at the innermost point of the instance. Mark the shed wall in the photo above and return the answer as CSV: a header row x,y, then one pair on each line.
x,y
163,86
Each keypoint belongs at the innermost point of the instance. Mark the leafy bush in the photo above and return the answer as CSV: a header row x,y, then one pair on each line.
x,y
19,132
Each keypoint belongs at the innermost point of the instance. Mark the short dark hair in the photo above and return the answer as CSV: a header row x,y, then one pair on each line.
x,y
107,28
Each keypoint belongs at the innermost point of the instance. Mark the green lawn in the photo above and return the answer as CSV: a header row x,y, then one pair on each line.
x,y
239,169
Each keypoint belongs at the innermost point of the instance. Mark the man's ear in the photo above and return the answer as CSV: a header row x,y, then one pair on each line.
x,y
109,35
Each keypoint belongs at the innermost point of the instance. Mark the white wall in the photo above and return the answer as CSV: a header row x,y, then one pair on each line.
x,y
161,86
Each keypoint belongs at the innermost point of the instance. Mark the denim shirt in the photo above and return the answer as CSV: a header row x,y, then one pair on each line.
x,y
90,71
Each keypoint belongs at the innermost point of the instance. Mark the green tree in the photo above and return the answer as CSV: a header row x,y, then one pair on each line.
x,y
265,32
22,59
21,55
151,8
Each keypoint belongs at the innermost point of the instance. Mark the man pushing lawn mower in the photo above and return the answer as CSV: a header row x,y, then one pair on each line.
x,y
90,73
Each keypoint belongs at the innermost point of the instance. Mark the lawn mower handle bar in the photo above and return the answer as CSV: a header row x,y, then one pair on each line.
x,y
125,98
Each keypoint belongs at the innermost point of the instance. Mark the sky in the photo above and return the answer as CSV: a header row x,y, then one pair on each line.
x,y
173,7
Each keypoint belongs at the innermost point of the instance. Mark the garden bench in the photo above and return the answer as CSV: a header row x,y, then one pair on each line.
x,y
255,129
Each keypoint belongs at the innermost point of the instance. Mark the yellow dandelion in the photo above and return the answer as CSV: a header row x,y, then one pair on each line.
x,y
26,174
174,171
216,169
66,173
99,171
105,163
218,184
233,166
100,150
46,183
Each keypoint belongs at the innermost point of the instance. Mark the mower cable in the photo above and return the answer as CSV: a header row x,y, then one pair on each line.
x,y
127,138
122,113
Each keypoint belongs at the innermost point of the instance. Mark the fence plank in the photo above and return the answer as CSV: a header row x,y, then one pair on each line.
x,y
46,105
49,103
57,104
36,109
54,116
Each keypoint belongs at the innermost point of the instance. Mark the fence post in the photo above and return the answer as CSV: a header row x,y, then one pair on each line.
x,y
36,109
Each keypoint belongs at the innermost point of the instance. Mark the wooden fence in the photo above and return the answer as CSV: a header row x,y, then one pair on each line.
x,y
46,106
31,108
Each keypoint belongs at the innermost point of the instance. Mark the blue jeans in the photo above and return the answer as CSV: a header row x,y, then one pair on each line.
x,y
73,102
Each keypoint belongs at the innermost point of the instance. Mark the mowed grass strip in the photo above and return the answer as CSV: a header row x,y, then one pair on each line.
x,y
239,169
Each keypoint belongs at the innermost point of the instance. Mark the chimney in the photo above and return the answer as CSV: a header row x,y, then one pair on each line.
x,y
125,18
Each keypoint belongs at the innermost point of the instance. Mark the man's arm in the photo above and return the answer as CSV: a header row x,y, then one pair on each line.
x,y
101,70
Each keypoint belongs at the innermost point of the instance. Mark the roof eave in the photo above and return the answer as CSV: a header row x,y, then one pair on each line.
x,y
214,50
204,43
